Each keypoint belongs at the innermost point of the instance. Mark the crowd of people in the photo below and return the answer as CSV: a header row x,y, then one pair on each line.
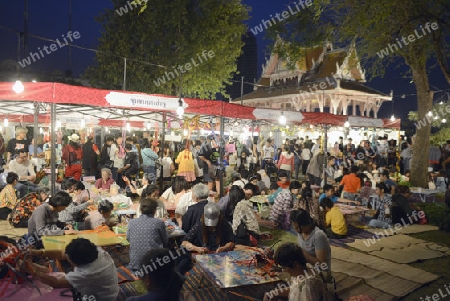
x,y
301,187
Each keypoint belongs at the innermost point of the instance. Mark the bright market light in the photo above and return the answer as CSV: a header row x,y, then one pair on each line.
x,y
282,119
83,123
128,126
435,117
34,81
58,124
346,124
430,113
18,87
185,132
270,134
392,117
41,130
106,129
283,133
444,120
5,122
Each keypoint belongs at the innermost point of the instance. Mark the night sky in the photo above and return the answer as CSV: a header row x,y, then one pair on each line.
x,y
50,20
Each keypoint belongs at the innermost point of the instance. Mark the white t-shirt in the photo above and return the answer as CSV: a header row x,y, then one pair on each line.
x,y
184,202
98,278
268,152
169,195
166,162
241,183
306,154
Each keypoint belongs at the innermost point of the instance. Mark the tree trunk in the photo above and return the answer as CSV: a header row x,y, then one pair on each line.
x,y
421,146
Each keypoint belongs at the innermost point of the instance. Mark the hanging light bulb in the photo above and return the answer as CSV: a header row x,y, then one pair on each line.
x,y
283,133
106,129
148,125
180,109
41,130
287,127
430,113
18,87
185,132
436,117
270,134
236,123
392,117
282,119
444,120
128,126
5,122
347,124
311,126
83,123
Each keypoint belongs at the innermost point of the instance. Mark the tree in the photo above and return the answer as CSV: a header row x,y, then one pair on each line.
x,y
177,47
407,32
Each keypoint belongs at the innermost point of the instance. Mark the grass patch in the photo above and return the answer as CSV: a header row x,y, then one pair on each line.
x,y
277,234
434,212
437,266
439,237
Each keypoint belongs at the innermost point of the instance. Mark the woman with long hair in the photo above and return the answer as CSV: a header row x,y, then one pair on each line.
x,y
185,161
309,203
117,155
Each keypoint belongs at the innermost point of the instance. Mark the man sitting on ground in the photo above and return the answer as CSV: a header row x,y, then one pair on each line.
x,y
94,275
334,219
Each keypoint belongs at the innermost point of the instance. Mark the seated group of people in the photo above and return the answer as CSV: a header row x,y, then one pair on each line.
x,y
210,227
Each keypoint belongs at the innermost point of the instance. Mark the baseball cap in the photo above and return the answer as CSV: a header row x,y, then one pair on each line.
x,y
235,174
211,214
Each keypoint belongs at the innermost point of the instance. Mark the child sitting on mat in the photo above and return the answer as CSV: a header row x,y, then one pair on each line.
x,y
334,219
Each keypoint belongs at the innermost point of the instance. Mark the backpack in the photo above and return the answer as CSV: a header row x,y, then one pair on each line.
x,y
21,213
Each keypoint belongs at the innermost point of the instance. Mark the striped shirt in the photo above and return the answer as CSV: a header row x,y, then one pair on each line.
x,y
282,204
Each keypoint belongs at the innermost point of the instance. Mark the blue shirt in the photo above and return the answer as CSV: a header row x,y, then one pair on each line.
x,y
333,198
144,234
149,157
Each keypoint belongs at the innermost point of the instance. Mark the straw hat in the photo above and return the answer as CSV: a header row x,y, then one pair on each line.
x,y
74,137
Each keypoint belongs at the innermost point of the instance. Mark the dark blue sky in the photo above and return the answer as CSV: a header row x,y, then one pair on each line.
x,y
49,18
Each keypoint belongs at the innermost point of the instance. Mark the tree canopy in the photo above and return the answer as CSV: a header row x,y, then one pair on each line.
x,y
177,47
403,32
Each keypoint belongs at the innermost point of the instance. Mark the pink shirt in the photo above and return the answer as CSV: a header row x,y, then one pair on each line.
x,y
100,184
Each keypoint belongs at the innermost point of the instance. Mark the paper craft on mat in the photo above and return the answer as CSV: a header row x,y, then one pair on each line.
x,y
228,270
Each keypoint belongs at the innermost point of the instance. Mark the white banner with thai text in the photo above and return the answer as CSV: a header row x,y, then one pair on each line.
x,y
143,101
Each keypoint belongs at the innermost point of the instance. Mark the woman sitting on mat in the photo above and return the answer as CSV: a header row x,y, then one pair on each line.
x,y
100,217
306,282
312,240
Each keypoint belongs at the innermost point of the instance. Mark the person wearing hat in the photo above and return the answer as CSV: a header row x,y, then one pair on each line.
x,y
211,234
72,156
